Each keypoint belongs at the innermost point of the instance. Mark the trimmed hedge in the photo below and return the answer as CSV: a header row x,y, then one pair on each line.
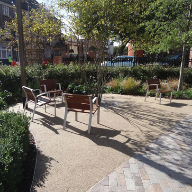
x,y
14,140
66,74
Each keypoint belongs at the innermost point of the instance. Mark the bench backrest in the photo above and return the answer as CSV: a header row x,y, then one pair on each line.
x,y
153,81
50,84
29,93
78,101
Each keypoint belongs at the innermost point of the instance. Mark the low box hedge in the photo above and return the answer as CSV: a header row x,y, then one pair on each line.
x,y
14,140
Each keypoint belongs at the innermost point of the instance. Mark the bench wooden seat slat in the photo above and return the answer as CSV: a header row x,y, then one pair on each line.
x,y
83,104
83,110
77,100
165,91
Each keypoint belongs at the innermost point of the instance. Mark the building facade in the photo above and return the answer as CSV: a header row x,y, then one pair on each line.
x,y
7,13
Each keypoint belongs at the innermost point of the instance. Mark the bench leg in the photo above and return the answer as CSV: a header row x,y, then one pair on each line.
x,y
159,98
55,108
146,96
33,112
54,96
65,118
25,107
75,116
98,115
155,96
89,126
62,96
171,97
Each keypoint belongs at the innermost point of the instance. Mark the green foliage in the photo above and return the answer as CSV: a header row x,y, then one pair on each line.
x,y
187,77
77,89
119,50
115,89
5,99
11,81
167,25
178,94
106,18
86,75
188,93
128,86
14,139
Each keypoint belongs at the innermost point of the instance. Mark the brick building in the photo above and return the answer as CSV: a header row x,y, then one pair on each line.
x,y
7,13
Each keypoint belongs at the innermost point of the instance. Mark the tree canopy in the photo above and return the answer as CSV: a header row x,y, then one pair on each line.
x,y
106,19
168,26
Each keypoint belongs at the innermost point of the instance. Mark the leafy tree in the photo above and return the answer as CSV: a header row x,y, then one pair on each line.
x,y
118,51
40,26
127,16
91,20
167,25
107,19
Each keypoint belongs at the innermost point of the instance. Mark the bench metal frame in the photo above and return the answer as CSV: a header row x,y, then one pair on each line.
x,y
154,86
83,104
38,100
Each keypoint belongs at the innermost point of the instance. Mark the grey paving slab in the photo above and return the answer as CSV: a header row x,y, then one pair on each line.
x,y
164,166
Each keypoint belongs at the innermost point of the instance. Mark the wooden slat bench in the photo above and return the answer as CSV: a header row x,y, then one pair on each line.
x,y
50,86
154,86
38,100
83,104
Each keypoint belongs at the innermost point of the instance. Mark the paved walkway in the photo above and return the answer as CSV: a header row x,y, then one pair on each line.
x,y
165,165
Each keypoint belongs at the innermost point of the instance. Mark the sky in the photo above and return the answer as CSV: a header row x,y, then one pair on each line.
x,y
41,1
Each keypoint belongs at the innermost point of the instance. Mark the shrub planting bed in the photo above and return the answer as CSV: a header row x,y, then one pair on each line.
x,y
14,140
80,77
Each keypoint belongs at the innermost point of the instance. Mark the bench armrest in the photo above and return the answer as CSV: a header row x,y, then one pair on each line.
x,y
36,90
59,85
95,99
45,93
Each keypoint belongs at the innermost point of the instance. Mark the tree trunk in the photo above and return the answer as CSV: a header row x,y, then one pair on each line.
x,y
180,85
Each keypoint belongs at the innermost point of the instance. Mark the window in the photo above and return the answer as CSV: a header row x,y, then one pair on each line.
x,y
5,10
4,53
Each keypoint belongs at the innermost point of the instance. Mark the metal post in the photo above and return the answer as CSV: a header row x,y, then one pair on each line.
x,y
21,47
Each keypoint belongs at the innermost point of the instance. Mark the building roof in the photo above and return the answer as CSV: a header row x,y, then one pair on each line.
x,y
31,3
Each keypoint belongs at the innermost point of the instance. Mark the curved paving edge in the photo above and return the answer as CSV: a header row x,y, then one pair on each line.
x,y
164,166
